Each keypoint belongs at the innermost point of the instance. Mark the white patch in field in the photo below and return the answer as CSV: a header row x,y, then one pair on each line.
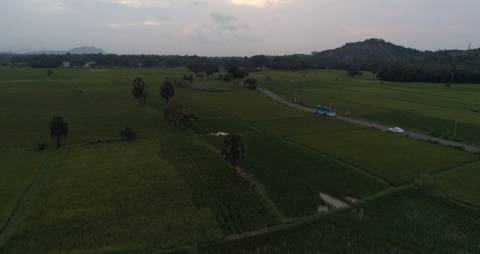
x,y
332,201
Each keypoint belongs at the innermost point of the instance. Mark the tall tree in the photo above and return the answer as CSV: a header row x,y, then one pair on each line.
x,y
353,71
168,90
236,70
49,73
251,83
233,150
139,91
58,129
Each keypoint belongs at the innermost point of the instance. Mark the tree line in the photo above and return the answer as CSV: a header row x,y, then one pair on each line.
x,y
389,61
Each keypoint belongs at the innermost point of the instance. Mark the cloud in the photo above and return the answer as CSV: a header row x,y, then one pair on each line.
x,y
255,3
152,22
49,5
147,22
221,18
113,25
228,23
156,3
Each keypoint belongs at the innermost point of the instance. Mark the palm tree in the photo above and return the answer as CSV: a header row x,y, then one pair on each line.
x,y
58,129
168,90
139,91
233,150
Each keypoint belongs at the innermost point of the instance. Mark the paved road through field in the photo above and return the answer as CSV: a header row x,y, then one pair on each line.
x,y
410,134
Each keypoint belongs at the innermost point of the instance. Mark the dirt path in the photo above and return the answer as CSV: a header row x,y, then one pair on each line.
x,y
410,134
262,191
260,188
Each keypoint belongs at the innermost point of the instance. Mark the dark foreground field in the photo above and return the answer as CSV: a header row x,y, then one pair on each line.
x,y
170,191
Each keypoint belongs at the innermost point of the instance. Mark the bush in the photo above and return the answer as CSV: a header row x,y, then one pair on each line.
x,y
128,134
177,115
251,83
41,147
227,77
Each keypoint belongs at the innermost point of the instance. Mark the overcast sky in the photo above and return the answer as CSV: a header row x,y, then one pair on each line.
x,y
234,27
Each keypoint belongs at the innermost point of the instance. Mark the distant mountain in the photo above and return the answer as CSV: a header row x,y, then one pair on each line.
x,y
368,53
371,48
75,51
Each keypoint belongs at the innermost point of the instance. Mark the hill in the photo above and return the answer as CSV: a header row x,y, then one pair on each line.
x,y
368,52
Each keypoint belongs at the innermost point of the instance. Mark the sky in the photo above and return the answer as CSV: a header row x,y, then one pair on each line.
x,y
234,27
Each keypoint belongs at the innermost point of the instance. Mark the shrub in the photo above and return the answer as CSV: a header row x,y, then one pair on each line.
x,y
128,134
40,147
177,115
251,83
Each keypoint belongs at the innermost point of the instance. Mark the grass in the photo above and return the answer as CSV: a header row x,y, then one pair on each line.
x,y
121,196
304,126
208,126
434,126
169,189
111,197
294,176
394,158
18,170
237,206
462,184
404,222
244,104
423,107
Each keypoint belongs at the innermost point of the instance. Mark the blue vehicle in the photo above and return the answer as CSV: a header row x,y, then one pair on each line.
x,y
325,111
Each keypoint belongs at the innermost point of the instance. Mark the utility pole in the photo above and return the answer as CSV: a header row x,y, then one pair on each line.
x,y
295,94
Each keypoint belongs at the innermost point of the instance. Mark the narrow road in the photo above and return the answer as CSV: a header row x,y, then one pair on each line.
x,y
410,134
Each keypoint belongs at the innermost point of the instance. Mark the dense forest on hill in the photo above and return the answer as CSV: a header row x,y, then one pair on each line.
x,y
389,61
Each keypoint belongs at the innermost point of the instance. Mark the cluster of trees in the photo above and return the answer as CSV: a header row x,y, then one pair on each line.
x,y
233,149
429,72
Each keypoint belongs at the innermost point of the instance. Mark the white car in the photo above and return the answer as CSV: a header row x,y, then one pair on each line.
x,y
397,130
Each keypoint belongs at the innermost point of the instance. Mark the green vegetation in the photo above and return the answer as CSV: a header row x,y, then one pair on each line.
x,y
244,104
304,126
172,190
462,184
429,108
233,150
236,205
96,196
404,222
297,176
18,170
394,158
208,126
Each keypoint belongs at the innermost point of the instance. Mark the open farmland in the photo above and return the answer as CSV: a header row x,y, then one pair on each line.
x,y
173,190
404,222
394,158
462,184
430,108
297,176
93,197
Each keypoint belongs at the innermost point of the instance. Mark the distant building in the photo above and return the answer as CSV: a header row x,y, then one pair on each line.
x,y
89,65
66,65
